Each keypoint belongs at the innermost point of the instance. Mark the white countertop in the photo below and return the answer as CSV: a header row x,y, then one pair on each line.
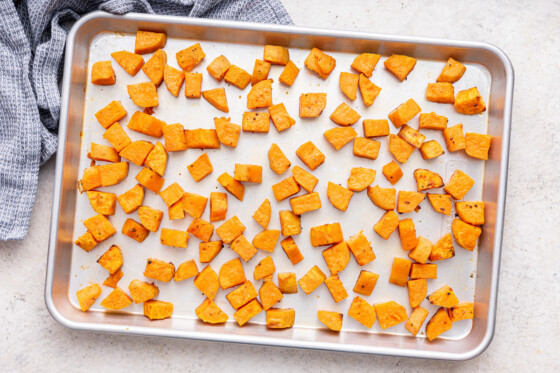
x,y
527,328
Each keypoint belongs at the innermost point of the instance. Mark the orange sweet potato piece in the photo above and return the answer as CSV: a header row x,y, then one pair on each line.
x,y
231,274
266,240
333,320
311,280
207,251
154,67
189,57
102,73
86,241
287,283
158,310
103,153
117,137
366,283
242,295
130,62
336,288
260,95
112,174
340,136
116,300
201,229
361,248
173,79
88,295
339,196
157,269
289,74
232,186
263,213
337,257
392,172
131,199
471,212
306,180
459,185
113,279
477,145
137,151
277,160
310,155
227,132
150,218
400,66
142,291
407,234
399,271
421,252
443,249
442,93
194,204
248,173
207,282
387,224
326,234
365,63
384,198
431,149
344,115
399,148
452,71
217,98
200,168
441,203
143,94
276,55
264,268
193,87
230,229
135,230
255,122
404,113
260,71
310,202
409,201
102,202
411,136
218,206
100,227
292,250
311,105
285,188
419,270
218,68
111,260
320,63
368,90
462,311
465,234
366,148
202,139
150,180
438,324
444,297
237,77
269,294
280,117
360,178
363,312
376,127
416,319
172,194
277,318
148,42
174,136
348,83
390,314
454,138
157,159
432,121
247,312
290,223
469,102
417,290
243,248
175,211
110,114
210,313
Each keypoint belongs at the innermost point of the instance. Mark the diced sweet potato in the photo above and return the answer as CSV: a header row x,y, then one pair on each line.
x,y
307,202
100,227
376,127
130,62
135,230
368,90
360,248
426,179
207,282
432,121
143,94
255,122
292,250
366,148
311,280
202,139
266,240
175,211
277,318
112,259
238,77
113,279
289,74
232,186
102,202
172,194
366,283
242,295
384,198
390,314
287,283
247,312
392,172
362,312
189,57
399,148
103,153
285,188
110,114
417,290
419,270
337,257
441,203
155,66
404,113
276,55
477,145
263,213
174,135
194,204
117,137
260,71
269,294
116,300
280,117
387,224
264,268
471,212
150,179
465,234
462,311
201,229
227,132
200,168
148,42
217,98
248,173
207,251
365,63
277,160
409,201
348,83
333,320
340,136
210,313
311,105
444,297
243,248
442,93
137,151
218,206
310,155
443,249
407,234
452,71
102,73
230,229
290,223
326,234
157,159
142,291
336,288
231,274
320,63
360,178
260,95
469,102
421,252
339,196
131,199
88,295
459,185
454,138
399,271
86,241
193,89
218,68
431,149
344,115
400,66
173,79
185,271
411,136
416,319
157,309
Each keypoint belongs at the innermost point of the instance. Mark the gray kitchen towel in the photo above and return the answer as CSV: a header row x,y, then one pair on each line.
x,y
32,39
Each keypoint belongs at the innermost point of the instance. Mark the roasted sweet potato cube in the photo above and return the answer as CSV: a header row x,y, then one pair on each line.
x,y
387,224
360,178
103,153
142,291
263,213
102,202
368,90
462,311
376,127
186,270
143,94
193,88
454,138
100,227
157,309
366,283
231,274
426,179
333,320
338,196
137,151
238,77
336,288
201,229
326,234
459,184
232,186
399,271
362,312
306,180
320,63
172,194
441,203
248,173
130,62
442,93
471,212
409,201
256,122
218,68
218,206
157,159
150,179
360,248
173,79
117,137
432,121
112,259
269,294
337,257
390,314
290,223
311,105
230,229
417,290
310,155
88,295
110,114
174,238
174,135
416,319
444,297
207,282
443,249
210,313
477,145
264,268
365,63
194,204
292,250
404,113
307,202
260,71
148,42
285,188
227,132
135,230
175,211
344,115
247,312
400,66
200,168
407,234
86,241
242,295
266,240
311,280
452,71
102,73
399,148
131,199
431,149
287,283
465,234
469,102
150,218
202,139
289,74
340,136
411,136
217,98
366,148
276,55
419,270
113,279
384,198
260,95
243,248
207,251
277,318
348,83
189,57
280,117
421,252
116,300
155,66
392,172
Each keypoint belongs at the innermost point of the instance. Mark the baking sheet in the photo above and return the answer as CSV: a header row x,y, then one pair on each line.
x,y
458,272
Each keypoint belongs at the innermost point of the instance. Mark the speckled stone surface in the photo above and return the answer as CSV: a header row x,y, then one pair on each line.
x,y
527,330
